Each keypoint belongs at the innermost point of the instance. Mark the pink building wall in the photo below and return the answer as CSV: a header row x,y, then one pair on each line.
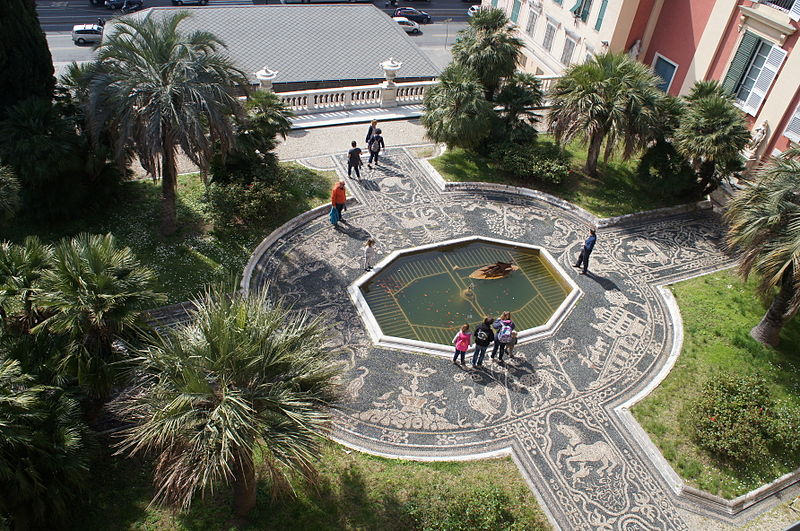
x,y
778,141
677,34
640,19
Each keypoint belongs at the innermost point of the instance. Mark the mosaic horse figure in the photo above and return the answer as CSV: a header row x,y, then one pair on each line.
x,y
577,453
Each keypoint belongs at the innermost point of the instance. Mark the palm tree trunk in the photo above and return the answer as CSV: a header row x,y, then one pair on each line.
x,y
244,483
769,329
595,143
168,183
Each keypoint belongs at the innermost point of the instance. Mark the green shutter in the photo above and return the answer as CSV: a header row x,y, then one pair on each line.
x,y
600,15
741,60
559,2
574,9
587,6
515,11
494,3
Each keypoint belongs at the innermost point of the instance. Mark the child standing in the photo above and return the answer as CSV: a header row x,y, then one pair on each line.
x,y
369,254
510,345
461,341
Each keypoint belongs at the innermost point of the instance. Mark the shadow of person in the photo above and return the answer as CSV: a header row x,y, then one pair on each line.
x,y
605,283
356,233
369,184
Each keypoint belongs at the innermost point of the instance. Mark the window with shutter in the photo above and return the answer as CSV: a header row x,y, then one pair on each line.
x,y
581,9
515,11
665,69
494,3
549,35
569,49
794,11
741,59
600,14
533,16
769,69
792,131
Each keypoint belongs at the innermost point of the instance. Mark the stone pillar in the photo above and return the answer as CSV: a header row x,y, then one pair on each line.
x,y
388,87
265,77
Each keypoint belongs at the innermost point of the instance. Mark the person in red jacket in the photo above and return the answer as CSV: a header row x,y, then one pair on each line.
x,y
339,198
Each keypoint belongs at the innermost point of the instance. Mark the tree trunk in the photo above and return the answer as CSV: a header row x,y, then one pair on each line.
x,y
595,143
769,329
707,172
169,175
244,483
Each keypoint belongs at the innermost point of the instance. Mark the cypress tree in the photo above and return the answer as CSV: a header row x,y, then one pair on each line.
x,y
26,67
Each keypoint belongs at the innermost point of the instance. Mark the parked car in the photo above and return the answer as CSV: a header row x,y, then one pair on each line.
x,y
127,6
412,14
189,2
473,10
85,33
409,25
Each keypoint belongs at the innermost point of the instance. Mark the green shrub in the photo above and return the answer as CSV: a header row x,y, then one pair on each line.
x,y
485,508
667,172
543,162
737,420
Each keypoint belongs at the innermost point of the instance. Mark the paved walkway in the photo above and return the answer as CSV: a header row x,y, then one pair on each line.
x,y
553,406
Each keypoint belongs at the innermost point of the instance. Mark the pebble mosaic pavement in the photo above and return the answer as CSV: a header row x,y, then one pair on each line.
x,y
552,403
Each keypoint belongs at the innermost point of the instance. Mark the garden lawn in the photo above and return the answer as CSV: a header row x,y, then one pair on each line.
x,y
354,491
718,312
616,192
196,254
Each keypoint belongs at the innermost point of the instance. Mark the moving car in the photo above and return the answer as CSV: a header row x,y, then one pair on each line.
x,y
473,10
409,25
128,6
412,14
189,2
85,33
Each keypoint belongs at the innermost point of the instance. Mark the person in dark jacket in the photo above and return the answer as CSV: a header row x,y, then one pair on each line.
x,y
375,145
484,335
588,247
354,160
504,326
371,131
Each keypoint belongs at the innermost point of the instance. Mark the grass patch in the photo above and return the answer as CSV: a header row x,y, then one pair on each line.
x,y
354,491
196,254
718,312
616,192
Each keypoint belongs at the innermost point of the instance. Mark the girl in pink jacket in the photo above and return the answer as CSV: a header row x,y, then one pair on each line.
x,y
461,341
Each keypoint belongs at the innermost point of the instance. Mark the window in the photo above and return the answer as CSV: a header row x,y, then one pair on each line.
x,y
549,35
790,6
600,14
494,3
581,9
569,49
753,68
559,2
665,69
792,131
533,16
515,11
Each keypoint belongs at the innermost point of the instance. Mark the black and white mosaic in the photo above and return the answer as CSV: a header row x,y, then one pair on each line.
x,y
552,403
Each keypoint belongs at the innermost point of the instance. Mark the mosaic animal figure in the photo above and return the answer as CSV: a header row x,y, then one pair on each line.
x,y
354,387
577,453
487,404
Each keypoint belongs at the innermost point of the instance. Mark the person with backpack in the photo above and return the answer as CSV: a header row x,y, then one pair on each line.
x,y
484,335
461,341
375,145
354,160
504,326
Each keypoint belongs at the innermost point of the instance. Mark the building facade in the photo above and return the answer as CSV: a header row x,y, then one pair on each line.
x,y
748,46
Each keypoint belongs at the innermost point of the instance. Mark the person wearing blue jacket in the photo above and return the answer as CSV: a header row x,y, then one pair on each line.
x,y
588,247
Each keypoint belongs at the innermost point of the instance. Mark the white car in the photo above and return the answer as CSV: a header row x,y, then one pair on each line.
x,y
473,10
409,25
83,33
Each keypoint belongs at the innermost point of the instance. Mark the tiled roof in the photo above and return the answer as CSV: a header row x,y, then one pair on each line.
x,y
308,42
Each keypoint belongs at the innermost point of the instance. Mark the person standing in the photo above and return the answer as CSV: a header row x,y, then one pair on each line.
x,y
483,338
588,247
461,340
375,145
504,326
354,160
338,199
369,254
511,344
371,131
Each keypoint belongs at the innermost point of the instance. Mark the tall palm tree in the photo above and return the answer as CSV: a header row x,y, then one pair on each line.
x,y
456,111
43,450
711,135
245,375
9,194
21,270
159,89
95,293
609,99
520,97
490,48
764,228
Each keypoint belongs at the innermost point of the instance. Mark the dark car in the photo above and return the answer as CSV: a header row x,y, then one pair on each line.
x,y
189,2
126,5
412,13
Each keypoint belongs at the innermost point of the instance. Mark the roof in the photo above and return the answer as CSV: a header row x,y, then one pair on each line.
x,y
308,42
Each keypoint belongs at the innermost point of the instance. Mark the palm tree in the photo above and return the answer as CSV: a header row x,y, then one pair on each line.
x,y
43,450
21,270
9,194
95,293
711,135
703,89
158,89
245,375
764,228
610,98
456,110
490,48
520,97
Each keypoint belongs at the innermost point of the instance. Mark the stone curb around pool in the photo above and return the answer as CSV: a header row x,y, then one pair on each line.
x,y
590,218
